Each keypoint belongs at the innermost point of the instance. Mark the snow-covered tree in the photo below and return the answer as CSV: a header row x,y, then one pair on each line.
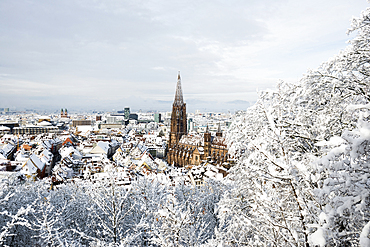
x,y
274,143
271,201
189,216
110,208
345,191
16,199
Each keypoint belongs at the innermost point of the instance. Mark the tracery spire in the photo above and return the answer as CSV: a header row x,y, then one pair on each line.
x,y
179,100
219,131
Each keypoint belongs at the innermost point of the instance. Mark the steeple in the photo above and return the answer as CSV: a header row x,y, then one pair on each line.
x,y
178,117
207,141
179,100
178,123
219,131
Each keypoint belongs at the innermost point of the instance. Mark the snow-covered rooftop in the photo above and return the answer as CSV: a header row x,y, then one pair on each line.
x,y
196,140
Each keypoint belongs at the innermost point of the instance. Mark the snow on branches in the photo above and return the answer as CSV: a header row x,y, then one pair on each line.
x,y
290,186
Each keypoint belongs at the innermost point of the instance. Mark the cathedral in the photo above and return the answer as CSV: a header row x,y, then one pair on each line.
x,y
192,149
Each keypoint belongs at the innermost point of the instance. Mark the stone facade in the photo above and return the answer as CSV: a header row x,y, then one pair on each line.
x,y
193,150
178,116
186,149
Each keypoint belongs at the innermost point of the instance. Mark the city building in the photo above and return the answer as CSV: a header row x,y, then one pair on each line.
x,y
11,125
63,113
158,117
81,122
185,149
34,130
127,112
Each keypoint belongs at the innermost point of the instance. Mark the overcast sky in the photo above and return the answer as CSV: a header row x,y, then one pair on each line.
x,y
108,54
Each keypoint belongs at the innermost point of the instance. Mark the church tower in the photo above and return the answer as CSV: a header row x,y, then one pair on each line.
x,y
178,117
219,131
178,125
207,142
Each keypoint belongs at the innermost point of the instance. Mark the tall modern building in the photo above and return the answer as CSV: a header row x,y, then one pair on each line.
x,y
127,112
157,117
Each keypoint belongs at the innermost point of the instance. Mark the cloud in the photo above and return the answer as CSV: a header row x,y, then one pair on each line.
x,y
101,53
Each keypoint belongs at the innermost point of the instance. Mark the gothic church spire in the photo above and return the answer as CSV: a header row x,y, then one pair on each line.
x,y
178,122
179,100
219,131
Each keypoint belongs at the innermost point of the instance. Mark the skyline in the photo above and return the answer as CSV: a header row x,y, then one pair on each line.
x,y
107,55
